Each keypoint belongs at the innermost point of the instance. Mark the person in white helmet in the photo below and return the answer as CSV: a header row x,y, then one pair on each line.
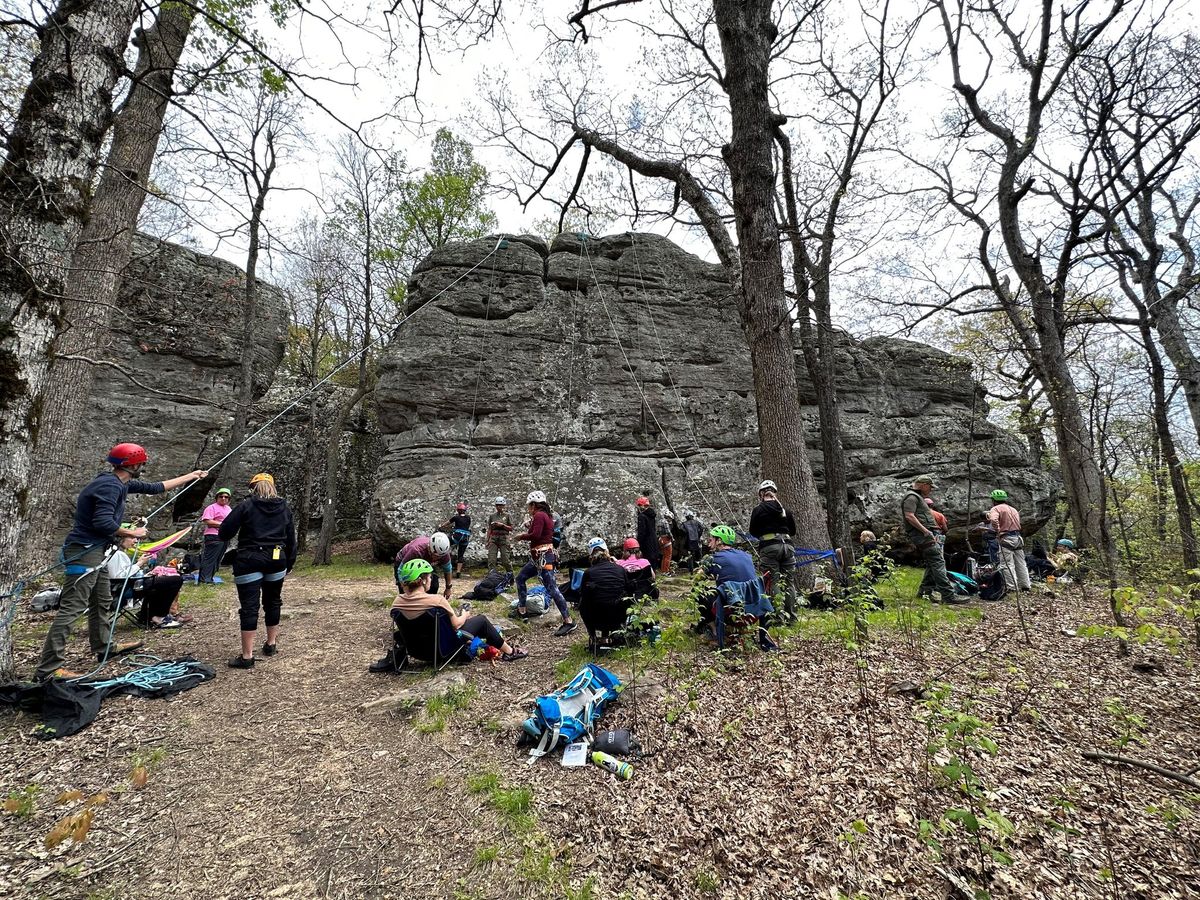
x,y
499,531
435,550
542,560
774,527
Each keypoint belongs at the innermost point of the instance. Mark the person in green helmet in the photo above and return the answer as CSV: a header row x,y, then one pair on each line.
x,y
214,548
415,577
1007,523
725,563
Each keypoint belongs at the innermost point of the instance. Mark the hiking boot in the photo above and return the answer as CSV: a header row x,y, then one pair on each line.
x,y
566,628
240,662
120,650
954,601
386,664
65,673
270,649
517,653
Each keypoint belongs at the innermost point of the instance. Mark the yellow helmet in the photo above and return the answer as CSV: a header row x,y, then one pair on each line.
x,y
262,476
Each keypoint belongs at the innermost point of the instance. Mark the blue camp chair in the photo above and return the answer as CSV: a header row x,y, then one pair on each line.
x,y
429,638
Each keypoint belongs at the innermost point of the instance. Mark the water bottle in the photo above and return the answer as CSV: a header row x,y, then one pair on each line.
x,y
622,770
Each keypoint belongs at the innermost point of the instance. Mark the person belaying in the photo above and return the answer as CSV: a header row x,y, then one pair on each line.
x,y
435,550
99,512
605,594
415,578
775,527
499,530
646,531
1007,523
693,532
214,548
724,564
542,561
458,529
266,552
921,529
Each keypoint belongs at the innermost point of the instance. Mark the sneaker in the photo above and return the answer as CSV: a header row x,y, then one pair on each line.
x,y
240,662
517,653
566,628
168,622
270,649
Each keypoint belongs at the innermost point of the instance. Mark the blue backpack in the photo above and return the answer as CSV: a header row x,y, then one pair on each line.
x,y
570,713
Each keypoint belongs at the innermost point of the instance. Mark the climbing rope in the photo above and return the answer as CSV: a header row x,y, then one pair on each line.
x,y
585,252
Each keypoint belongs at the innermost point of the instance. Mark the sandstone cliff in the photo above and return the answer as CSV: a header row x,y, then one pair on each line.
x,y
597,369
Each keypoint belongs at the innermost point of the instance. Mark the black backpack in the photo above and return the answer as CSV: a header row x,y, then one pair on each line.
x,y
489,586
991,585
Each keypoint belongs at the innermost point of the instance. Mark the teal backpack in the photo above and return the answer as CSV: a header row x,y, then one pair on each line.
x,y
570,713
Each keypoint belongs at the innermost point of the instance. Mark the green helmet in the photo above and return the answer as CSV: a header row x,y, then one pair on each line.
x,y
724,534
226,491
413,569
999,494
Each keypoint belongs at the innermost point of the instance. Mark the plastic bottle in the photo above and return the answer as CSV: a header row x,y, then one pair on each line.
x,y
622,770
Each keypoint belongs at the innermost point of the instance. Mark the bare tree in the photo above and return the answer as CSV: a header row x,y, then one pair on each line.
x,y
50,161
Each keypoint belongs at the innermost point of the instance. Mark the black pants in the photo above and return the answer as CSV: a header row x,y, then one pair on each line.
x,y
158,595
480,627
462,550
603,616
210,561
259,578
693,555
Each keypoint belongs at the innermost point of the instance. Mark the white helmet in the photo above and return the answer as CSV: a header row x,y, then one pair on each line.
x,y
535,497
500,501
595,544
768,485
440,544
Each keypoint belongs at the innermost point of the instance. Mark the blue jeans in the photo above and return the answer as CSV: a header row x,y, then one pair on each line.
x,y
543,565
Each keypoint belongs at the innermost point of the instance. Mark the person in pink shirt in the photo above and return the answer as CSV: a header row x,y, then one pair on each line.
x,y
214,547
1007,522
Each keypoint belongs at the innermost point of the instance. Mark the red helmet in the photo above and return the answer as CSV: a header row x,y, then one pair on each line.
x,y
643,501
462,507
631,544
127,455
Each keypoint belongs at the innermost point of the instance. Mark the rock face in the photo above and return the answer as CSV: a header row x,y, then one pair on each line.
x,y
179,332
597,369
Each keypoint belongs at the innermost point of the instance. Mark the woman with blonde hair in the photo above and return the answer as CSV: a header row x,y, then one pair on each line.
x,y
266,552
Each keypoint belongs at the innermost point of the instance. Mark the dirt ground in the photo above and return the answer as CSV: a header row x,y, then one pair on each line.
x,y
800,774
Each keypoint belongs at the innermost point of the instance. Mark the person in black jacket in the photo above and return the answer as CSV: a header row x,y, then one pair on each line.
x,y
647,532
266,552
775,528
605,594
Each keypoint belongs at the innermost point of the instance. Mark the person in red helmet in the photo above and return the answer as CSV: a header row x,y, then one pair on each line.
x,y
458,527
647,530
641,573
99,512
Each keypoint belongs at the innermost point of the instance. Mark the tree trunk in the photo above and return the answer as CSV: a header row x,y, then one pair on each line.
x,y
304,503
45,190
104,249
1170,456
1179,352
747,32
323,553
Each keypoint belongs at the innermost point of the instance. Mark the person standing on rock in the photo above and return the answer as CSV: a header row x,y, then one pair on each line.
x,y
499,530
99,511
214,548
458,527
921,529
542,561
1007,523
775,527
647,532
266,552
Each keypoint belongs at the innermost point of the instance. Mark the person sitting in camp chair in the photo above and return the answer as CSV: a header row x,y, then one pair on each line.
x,y
157,593
737,586
605,594
641,573
416,600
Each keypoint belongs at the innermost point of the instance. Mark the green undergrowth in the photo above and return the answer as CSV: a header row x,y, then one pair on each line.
x,y
349,566
439,710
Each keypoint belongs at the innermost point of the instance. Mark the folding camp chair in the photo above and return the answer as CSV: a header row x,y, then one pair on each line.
x,y
128,604
739,607
429,638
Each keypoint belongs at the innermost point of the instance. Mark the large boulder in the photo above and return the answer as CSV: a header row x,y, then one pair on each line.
x,y
596,369
178,332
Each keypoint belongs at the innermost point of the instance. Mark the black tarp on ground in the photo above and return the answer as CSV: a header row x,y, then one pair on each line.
x,y
67,707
